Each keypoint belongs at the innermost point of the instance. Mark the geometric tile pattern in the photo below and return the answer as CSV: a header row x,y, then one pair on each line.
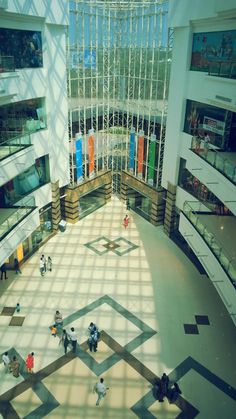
x,y
119,246
31,381
7,311
192,329
119,352
15,320
200,319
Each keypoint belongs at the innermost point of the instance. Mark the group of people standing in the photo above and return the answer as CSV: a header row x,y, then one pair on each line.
x,y
162,388
70,337
45,264
13,365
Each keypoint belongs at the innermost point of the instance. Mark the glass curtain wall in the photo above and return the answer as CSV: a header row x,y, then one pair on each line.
x,y
118,74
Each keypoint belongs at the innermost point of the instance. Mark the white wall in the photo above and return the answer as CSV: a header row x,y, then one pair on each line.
x,y
176,106
53,11
188,16
181,12
49,82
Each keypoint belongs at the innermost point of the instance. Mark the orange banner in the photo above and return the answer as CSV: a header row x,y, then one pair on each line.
x,y
91,154
140,154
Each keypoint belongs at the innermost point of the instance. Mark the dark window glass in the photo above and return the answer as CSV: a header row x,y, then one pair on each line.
x,y
24,46
214,52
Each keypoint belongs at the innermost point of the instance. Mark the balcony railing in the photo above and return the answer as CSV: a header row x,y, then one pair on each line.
x,y
192,210
15,214
13,145
7,64
223,69
215,158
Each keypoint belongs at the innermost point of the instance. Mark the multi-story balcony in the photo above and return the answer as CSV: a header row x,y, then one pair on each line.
x,y
16,224
218,177
16,155
210,237
215,230
223,161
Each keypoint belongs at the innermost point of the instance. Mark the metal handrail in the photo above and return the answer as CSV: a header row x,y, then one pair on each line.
x,y
214,158
7,63
23,208
191,210
14,144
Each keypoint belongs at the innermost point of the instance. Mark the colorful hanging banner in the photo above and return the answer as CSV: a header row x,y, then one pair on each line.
x,y
91,152
78,156
140,153
151,159
131,150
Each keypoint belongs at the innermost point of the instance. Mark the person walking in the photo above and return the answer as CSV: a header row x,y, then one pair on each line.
x,y
93,342
41,266
73,338
4,271
126,221
18,307
58,318
6,362
101,390
174,393
15,367
64,340
49,264
44,263
17,266
30,362
207,141
163,387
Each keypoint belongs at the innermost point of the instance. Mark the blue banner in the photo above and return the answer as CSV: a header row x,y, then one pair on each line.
x,y
131,150
78,157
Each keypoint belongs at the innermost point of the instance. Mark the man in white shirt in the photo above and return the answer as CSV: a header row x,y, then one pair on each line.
x,y
100,389
41,266
6,361
73,338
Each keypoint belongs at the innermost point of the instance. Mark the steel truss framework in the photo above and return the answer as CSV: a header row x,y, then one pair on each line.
x,y
119,55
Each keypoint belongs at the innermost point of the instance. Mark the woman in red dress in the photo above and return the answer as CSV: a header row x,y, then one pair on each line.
x,y
30,362
126,221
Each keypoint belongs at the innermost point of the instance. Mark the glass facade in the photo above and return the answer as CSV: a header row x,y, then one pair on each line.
x,y
20,49
90,202
119,66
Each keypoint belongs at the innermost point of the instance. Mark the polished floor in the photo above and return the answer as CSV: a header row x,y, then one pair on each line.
x,y
156,314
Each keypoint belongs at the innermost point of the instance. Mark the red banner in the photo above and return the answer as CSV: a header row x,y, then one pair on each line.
x,y
140,153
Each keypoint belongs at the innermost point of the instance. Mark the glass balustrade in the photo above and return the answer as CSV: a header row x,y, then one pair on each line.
x,y
215,158
12,216
13,145
192,210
